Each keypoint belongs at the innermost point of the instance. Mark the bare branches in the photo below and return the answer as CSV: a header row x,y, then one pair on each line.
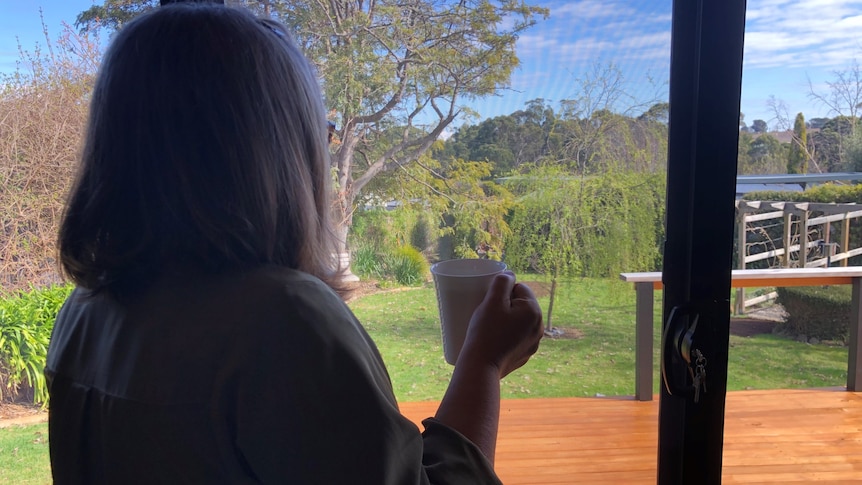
x,y
844,96
43,111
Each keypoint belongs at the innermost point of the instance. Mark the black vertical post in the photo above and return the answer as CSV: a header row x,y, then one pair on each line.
x,y
705,83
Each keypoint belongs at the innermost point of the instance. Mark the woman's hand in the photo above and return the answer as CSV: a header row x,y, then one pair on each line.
x,y
505,329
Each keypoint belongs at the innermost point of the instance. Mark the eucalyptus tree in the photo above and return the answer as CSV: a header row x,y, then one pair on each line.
x,y
405,65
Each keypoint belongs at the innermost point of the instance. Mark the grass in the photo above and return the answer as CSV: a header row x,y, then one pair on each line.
x,y
405,327
24,455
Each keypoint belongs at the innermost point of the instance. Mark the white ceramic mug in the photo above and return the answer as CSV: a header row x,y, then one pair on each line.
x,y
461,286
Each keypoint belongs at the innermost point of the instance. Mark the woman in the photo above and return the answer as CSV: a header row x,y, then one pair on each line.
x,y
204,343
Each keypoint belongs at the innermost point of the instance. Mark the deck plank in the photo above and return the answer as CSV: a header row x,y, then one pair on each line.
x,y
776,436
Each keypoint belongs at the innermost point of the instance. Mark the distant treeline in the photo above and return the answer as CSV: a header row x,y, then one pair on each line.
x,y
586,142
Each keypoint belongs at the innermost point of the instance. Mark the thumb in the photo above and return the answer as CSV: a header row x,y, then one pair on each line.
x,y
501,288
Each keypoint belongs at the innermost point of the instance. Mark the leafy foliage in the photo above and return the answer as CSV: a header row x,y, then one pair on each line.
x,y
26,322
830,143
761,154
112,14
421,236
366,262
825,193
815,311
580,136
467,207
382,245
797,161
587,226
408,266
386,65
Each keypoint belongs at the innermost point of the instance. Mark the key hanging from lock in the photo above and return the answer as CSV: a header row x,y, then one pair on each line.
x,y
698,373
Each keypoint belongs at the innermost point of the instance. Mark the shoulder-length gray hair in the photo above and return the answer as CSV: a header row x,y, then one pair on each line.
x,y
206,150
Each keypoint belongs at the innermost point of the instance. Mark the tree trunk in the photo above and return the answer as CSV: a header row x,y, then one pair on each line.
x,y
344,218
551,299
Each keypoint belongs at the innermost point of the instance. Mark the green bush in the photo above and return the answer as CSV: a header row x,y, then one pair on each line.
x,y
386,230
421,236
593,226
407,265
26,321
826,193
816,311
371,229
367,263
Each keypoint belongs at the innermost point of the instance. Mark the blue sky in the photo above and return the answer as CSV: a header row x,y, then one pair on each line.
x,y
787,43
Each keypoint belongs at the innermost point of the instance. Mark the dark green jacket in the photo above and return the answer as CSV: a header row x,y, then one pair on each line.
x,y
261,377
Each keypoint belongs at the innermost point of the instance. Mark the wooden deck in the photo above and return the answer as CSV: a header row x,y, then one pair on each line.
x,y
781,436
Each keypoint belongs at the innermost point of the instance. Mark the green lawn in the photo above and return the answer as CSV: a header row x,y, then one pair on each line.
x,y
24,455
406,328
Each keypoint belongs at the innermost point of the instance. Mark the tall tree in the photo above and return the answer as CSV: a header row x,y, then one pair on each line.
x,y
408,64
743,160
797,161
404,65
844,94
765,150
113,14
831,143
759,126
798,136
599,107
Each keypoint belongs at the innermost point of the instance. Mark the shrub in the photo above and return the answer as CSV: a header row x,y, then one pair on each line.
x,y
44,109
421,236
595,226
370,229
816,311
407,266
826,193
367,263
26,322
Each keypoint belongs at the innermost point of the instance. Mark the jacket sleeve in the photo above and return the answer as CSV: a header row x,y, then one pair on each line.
x,y
315,405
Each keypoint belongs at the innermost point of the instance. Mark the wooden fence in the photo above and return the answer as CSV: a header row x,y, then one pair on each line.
x,y
811,235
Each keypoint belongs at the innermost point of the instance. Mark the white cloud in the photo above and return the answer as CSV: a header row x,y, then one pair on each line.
x,y
595,29
591,9
802,33
530,43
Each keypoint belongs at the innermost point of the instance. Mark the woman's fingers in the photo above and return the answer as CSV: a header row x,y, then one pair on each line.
x,y
522,291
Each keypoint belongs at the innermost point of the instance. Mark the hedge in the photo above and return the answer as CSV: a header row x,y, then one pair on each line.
x,y
816,311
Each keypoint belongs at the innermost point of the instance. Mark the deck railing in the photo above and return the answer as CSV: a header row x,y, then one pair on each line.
x,y
646,283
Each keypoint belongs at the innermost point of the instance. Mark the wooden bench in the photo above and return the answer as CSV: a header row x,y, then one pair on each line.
x,y
646,283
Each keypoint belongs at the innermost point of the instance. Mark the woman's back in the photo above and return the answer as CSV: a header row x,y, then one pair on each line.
x,y
218,380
